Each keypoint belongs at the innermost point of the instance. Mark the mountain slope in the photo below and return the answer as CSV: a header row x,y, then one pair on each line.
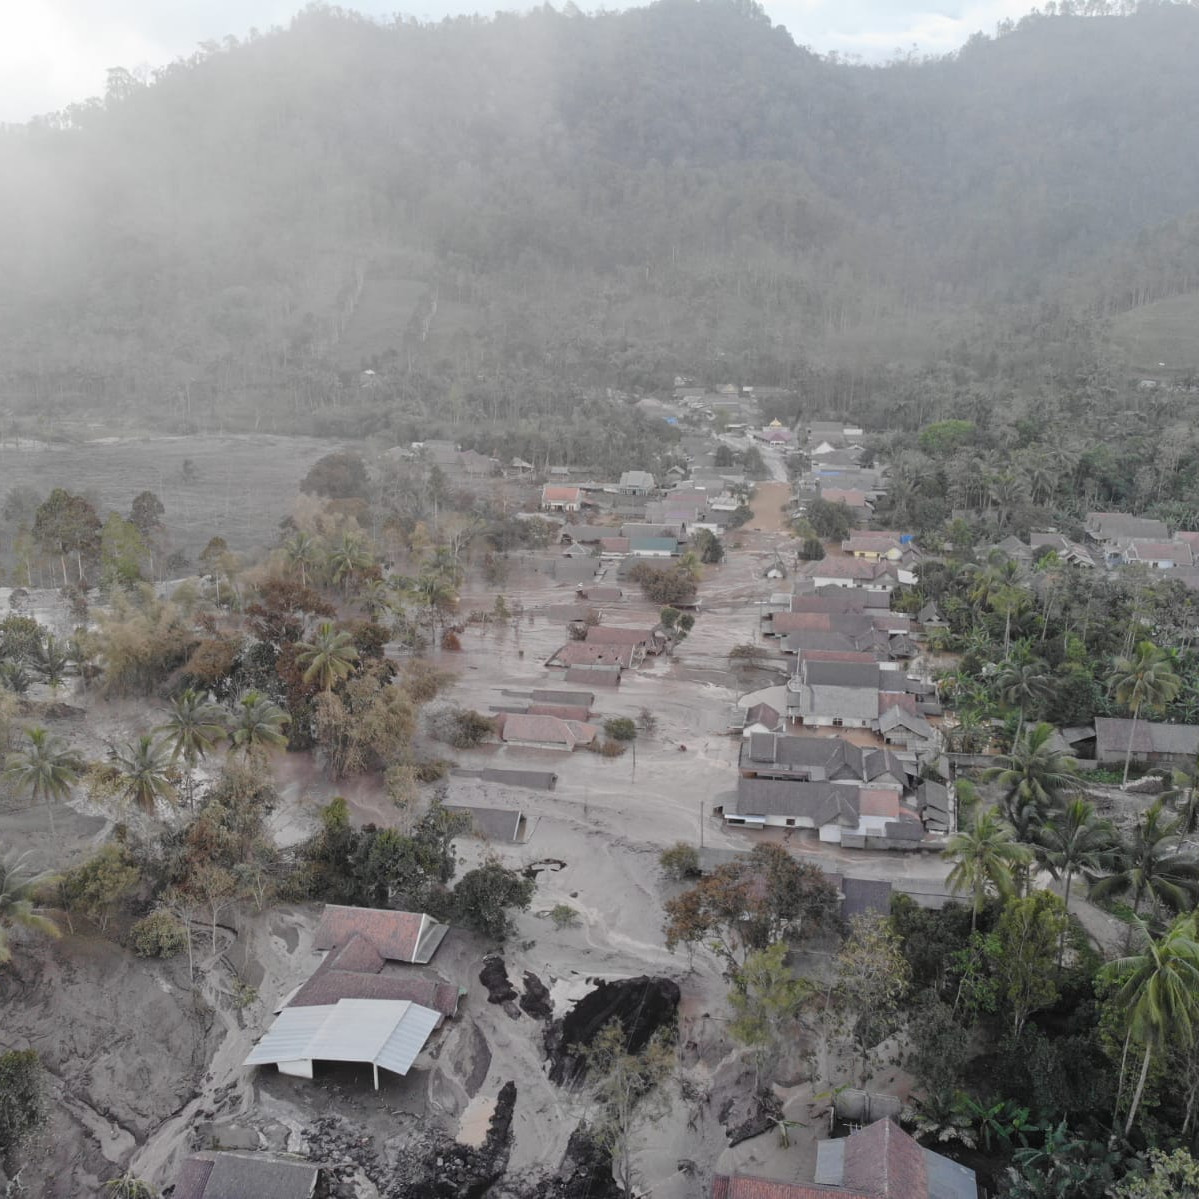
x,y
531,203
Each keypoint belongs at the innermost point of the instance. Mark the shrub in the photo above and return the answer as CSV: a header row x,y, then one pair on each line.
x,y
158,935
620,728
463,728
612,749
564,916
680,861
22,1098
451,641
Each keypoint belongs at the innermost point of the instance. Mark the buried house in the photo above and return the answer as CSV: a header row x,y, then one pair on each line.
x,y
354,1008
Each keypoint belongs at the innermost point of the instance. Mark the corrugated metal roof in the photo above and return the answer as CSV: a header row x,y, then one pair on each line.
x,y
407,1039
290,1036
389,1033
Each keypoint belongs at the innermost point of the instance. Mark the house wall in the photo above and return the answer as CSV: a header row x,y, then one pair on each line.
x,y
539,744
300,1069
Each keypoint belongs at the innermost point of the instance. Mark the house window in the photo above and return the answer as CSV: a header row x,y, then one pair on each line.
x,y
790,822
837,722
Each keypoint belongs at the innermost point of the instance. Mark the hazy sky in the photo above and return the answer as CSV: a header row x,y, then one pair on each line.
x,y
53,52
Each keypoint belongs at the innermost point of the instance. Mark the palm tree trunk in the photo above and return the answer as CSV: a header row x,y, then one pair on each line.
x,y
1128,754
1061,941
1120,1081
1136,1099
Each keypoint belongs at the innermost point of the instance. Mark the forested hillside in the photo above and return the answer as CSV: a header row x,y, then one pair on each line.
x,y
502,215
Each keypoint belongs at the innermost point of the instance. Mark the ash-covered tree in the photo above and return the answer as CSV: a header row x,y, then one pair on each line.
x,y
66,526
629,1093
339,476
872,977
749,904
146,514
833,522
766,1000
485,897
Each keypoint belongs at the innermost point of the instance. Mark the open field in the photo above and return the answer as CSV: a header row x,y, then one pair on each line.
x,y
1161,335
244,484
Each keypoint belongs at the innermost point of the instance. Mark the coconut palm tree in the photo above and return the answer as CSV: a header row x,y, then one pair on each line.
x,y
985,855
329,657
1150,863
1034,778
1159,994
20,886
193,727
1075,841
347,559
52,661
257,723
1021,685
45,769
303,552
1144,681
144,766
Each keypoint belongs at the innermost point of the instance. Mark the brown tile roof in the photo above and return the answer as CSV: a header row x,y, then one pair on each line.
x,y
559,495
356,954
395,935
724,1187
874,801
614,545
882,1159
543,729
327,986
589,653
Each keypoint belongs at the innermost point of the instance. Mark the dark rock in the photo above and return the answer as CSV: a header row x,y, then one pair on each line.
x,y
642,1005
447,1170
764,1117
494,976
536,999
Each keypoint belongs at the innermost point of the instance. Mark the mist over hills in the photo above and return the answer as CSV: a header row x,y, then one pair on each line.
x,y
500,214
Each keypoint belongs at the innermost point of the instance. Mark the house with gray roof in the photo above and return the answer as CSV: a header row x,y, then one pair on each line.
x,y
834,694
821,759
245,1176
1153,743
636,482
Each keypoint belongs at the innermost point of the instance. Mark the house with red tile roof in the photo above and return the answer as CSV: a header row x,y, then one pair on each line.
x,y
393,936
544,732
556,498
877,1162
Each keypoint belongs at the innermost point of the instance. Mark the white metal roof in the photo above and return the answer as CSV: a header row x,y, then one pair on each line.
x,y
388,1032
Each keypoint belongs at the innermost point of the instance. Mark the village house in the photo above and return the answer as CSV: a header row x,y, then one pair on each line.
x,y
854,498
589,653
850,572
649,641
558,498
834,694
1112,531
1153,743
821,759
544,732
636,482
758,718
257,1175
846,814
879,1161
355,1007
1161,555
878,546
